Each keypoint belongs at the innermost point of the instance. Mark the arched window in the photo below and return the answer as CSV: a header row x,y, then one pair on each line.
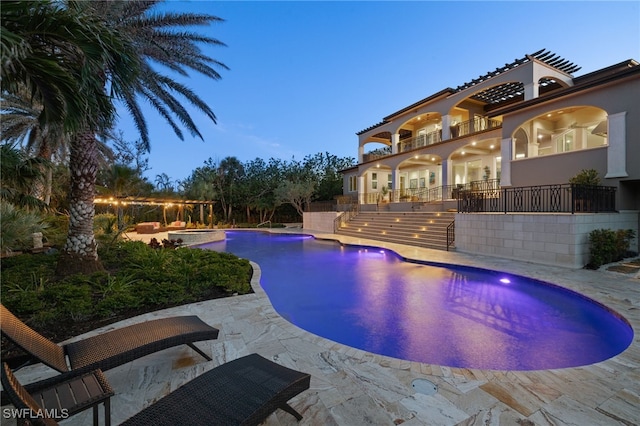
x,y
521,148
562,131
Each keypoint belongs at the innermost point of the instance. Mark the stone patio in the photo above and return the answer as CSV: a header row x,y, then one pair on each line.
x,y
353,387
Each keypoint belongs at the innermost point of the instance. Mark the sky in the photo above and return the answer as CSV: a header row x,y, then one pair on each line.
x,y
305,77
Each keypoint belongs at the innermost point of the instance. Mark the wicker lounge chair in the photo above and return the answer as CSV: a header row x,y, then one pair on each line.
x,y
109,349
58,401
241,392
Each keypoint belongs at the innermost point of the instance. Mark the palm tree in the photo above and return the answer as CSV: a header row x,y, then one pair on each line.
x,y
59,53
154,40
56,54
68,54
18,175
21,125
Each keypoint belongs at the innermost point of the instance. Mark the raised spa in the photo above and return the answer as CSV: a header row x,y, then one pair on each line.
x,y
196,236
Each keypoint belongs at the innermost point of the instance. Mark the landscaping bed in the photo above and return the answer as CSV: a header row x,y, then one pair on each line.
x,y
137,279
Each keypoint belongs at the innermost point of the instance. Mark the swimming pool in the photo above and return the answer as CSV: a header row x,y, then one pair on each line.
x,y
371,299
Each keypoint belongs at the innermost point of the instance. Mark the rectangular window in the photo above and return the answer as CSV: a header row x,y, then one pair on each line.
x,y
353,183
374,181
389,181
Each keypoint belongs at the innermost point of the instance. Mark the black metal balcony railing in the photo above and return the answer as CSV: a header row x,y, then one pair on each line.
x,y
564,198
429,195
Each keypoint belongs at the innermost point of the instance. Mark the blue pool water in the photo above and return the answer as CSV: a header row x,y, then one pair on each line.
x,y
371,299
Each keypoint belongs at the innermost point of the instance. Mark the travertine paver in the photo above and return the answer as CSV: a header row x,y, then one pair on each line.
x,y
353,387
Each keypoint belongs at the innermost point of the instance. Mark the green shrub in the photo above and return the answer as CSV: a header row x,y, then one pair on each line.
x,y
586,177
117,294
606,246
72,298
138,276
160,293
57,228
17,226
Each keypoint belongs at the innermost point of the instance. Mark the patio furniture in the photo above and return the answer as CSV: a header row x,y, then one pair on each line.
x,y
109,349
241,392
176,226
148,227
59,401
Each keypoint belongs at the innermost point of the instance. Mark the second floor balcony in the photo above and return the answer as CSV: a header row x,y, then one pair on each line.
x,y
465,128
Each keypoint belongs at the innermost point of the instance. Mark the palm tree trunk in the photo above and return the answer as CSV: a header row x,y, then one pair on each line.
x,y
42,190
80,254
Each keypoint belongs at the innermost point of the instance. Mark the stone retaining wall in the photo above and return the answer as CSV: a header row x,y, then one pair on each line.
x,y
556,239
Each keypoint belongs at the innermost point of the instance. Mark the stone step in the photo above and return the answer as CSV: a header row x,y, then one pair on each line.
x,y
425,242
423,229
376,228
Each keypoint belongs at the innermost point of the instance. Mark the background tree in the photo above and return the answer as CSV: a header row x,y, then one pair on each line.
x,y
229,174
200,186
326,167
260,183
298,194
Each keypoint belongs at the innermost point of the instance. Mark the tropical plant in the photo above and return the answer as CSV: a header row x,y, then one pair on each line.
x,y
151,38
63,56
18,226
21,125
19,174
54,53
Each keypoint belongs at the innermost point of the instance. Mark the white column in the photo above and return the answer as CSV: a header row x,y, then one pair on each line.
x,y
506,150
531,91
446,131
360,154
361,190
447,169
395,183
395,138
617,150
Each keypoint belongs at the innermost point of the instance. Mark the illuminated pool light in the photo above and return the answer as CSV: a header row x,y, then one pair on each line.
x,y
505,280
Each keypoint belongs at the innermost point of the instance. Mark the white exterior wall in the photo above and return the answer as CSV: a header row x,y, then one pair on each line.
x,y
547,238
319,221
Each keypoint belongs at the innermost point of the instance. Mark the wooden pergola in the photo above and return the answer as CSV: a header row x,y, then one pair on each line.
x,y
123,202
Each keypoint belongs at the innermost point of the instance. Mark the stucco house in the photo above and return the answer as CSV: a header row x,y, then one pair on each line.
x,y
529,123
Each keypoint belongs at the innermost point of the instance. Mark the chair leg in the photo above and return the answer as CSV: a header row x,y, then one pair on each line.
x,y
107,412
195,348
289,409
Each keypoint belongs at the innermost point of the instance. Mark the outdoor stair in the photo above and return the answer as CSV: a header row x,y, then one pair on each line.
x,y
422,229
